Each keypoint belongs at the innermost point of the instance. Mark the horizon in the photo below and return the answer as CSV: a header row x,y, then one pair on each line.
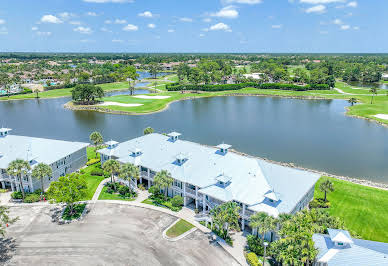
x,y
221,26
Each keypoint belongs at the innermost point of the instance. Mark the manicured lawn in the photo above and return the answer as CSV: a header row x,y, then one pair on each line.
x,y
108,196
363,209
163,204
91,152
92,181
179,228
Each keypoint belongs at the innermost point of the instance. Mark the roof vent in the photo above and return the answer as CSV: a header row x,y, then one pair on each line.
x,y
136,152
223,148
341,238
181,158
174,136
112,144
4,131
223,180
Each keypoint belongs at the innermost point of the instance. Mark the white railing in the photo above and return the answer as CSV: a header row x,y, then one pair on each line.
x,y
144,174
210,204
190,191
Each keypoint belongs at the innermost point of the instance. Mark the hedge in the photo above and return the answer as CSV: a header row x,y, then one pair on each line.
x,y
227,87
252,259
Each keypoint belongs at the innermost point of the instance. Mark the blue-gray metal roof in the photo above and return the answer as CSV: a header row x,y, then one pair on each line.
x,y
360,253
251,178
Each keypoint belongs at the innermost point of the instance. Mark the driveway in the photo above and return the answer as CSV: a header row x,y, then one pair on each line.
x,y
110,234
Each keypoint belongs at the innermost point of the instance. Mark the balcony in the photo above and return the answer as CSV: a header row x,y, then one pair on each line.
x,y
190,191
144,174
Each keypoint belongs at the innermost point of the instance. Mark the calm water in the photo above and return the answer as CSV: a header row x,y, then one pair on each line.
x,y
311,133
383,86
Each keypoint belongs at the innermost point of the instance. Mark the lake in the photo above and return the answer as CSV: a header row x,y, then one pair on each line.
x,y
310,133
383,86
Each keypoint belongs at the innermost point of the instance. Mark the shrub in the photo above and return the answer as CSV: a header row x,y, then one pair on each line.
x,y
17,195
252,259
319,203
3,190
154,190
92,161
31,198
141,187
97,172
255,244
82,171
123,190
177,201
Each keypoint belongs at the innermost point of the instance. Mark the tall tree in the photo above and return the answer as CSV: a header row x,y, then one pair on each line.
x,y
19,168
326,186
154,69
41,171
129,172
374,92
97,139
68,189
112,167
263,223
86,93
226,216
129,74
352,101
164,180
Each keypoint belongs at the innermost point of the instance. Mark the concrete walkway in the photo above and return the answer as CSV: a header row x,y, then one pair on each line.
x,y
5,198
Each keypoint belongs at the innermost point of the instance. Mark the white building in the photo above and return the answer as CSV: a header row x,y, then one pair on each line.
x,y
63,157
207,176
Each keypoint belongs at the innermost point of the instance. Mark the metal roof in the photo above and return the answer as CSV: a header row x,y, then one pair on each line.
x,y
224,146
251,177
338,235
174,134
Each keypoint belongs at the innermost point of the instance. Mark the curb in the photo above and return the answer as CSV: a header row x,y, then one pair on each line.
x,y
173,239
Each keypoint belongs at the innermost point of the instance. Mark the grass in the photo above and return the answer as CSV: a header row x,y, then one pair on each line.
x,y
78,209
163,204
363,209
92,181
179,228
108,196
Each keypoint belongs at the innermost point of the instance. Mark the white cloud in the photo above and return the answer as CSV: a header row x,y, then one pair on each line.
x,y
104,29
83,30
43,33
186,19
277,26
66,15
220,26
316,9
50,19
131,27
87,41
323,32
317,2
34,28
120,21
146,14
108,21
117,41
75,22
108,1
356,28
352,4
171,31
91,14
207,20
249,2
151,26
226,12
2,21
337,21
345,27
3,30
201,35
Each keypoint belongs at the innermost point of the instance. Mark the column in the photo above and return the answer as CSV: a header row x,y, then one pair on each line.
x,y
30,181
149,177
2,184
196,197
13,189
203,203
243,218
184,194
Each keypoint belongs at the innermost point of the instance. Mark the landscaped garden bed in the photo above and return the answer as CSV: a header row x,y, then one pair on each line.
x,y
179,228
117,191
158,199
78,209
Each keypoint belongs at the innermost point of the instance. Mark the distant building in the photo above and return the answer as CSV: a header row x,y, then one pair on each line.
x,y
384,76
338,248
63,157
206,176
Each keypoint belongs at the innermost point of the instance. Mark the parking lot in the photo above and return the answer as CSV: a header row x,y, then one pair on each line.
x,y
109,235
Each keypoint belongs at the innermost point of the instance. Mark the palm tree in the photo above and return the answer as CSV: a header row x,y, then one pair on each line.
x,y
112,167
19,168
263,222
96,139
148,130
41,171
374,92
326,187
163,179
352,101
231,216
129,172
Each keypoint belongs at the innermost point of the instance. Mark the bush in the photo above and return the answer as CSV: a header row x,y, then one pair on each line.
x,y
78,210
177,201
252,259
123,190
31,198
3,190
92,161
97,172
141,187
82,171
319,203
154,190
17,195
255,244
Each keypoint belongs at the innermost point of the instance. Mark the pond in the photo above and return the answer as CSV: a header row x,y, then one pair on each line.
x,y
314,134
383,86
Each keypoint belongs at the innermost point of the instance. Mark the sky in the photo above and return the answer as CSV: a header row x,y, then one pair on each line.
x,y
238,26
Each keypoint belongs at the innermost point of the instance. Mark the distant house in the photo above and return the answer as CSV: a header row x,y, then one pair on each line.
x,y
338,248
384,76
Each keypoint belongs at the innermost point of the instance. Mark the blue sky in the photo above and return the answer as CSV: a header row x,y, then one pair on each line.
x,y
194,25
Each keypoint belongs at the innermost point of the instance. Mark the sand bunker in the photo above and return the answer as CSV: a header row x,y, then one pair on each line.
x,y
120,104
382,116
151,97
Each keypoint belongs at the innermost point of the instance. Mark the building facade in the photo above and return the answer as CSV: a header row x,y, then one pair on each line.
x,y
208,176
63,157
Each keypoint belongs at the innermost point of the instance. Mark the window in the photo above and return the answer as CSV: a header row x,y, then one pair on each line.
x,y
340,244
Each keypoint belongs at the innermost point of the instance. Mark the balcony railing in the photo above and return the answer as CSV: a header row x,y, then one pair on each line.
x,y
144,174
190,191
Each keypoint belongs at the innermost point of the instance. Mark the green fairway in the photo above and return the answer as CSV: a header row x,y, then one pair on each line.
x,y
363,209
179,228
